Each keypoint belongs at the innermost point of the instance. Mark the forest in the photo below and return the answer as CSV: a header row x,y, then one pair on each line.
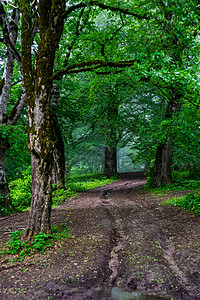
x,y
90,90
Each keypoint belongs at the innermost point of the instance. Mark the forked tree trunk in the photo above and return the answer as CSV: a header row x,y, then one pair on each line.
x,y
5,201
162,165
110,167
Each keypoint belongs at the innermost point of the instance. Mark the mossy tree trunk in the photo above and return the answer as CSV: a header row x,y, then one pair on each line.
x,y
163,161
38,84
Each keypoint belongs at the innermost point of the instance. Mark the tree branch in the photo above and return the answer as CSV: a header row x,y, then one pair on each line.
x,y
73,8
6,36
13,116
105,7
117,9
98,63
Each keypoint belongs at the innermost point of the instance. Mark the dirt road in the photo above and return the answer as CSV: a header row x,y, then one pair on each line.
x,y
123,238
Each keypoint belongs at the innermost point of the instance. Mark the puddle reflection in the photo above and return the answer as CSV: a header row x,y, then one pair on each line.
x,y
117,293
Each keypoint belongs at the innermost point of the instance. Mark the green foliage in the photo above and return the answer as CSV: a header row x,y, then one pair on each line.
x,y
190,202
14,245
183,180
20,190
60,195
40,242
150,174
17,156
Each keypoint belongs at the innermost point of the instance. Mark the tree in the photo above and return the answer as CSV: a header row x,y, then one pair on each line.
x,y
176,46
9,39
38,80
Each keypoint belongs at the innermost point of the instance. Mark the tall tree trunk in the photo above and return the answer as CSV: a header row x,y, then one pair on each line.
x,y
40,145
58,149
38,84
5,201
162,165
110,167
112,136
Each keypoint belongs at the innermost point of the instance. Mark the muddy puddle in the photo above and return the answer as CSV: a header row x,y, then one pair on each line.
x,y
117,293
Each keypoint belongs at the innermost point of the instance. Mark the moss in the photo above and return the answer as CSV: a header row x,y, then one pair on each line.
x,y
26,25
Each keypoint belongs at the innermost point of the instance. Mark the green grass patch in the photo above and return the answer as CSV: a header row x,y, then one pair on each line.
x,y
189,202
85,182
40,242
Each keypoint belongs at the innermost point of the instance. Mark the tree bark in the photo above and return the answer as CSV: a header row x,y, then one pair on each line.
x,y
112,138
110,167
5,201
38,84
40,212
162,165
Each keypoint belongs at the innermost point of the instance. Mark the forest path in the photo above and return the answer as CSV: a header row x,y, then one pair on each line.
x,y
122,236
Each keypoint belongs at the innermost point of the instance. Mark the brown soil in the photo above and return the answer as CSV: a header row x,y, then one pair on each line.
x,y
122,236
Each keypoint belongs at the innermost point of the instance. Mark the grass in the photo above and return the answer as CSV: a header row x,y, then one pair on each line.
x,y
88,181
